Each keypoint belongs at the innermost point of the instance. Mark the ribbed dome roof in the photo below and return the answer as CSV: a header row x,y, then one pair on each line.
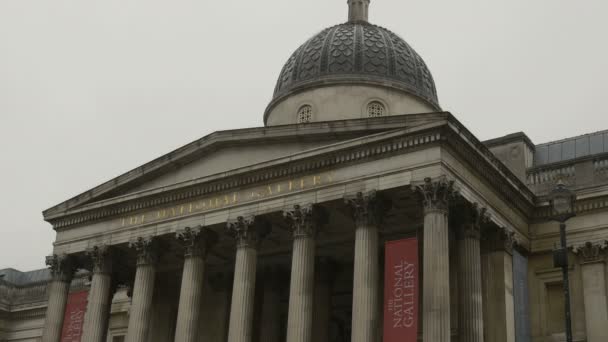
x,y
355,53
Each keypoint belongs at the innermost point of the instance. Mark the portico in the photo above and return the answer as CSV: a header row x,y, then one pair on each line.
x,y
339,203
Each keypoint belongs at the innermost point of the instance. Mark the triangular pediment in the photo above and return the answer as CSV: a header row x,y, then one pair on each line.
x,y
224,151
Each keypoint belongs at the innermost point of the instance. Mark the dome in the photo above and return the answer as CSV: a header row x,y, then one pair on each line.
x,y
356,53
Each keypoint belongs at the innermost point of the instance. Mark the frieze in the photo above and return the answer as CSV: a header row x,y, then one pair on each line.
x,y
295,169
228,199
223,188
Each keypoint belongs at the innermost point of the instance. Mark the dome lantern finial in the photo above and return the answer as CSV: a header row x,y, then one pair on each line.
x,y
358,10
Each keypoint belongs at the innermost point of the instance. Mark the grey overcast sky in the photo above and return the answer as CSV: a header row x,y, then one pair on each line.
x,y
91,89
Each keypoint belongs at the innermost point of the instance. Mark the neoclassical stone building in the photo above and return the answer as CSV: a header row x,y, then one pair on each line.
x,y
277,233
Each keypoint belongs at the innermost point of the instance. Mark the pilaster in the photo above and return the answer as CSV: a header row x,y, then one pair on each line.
x,y
325,269
271,305
592,256
497,284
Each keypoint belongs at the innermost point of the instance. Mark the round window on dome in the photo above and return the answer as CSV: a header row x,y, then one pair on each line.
x,y
375,109
305,114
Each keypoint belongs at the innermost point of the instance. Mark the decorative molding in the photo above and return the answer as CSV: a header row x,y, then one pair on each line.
x,y
499,239
368,208
436,194
461,141
147,250
475,218
591,252
305,221
248,231
101,258
492,170
62,267
291,169
196,241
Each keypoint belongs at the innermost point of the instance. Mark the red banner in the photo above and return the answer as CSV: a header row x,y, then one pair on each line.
x,y
401,291
74,316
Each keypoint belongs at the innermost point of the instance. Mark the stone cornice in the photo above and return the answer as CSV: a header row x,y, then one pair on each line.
x,y
444,130
543,213
494,172
311,132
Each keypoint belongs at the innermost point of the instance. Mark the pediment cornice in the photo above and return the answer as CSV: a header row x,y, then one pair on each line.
x,y
320,131
446,132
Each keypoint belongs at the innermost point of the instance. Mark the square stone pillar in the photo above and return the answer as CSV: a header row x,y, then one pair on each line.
x,y
497,285
592,257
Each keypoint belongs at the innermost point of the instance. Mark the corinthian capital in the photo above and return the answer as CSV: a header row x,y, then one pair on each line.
x,y
436,193
367,208
196,241
305,221
473,217
147,250
248,231
591,252
62,267
101,258
499,239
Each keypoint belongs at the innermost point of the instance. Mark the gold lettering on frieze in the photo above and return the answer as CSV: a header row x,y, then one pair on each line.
x,y
228,199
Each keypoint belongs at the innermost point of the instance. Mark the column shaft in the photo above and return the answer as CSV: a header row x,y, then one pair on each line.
x,y
55,311
243,293
471,304
498,312
141,303
436,277
190,297
299,319
98,308
596,304
365,288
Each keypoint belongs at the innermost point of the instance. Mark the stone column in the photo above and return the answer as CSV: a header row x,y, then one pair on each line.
x,y
304,222
96,319
196,242
62,270
497,285
367,212
469,274
322,304
143,289
436,263
248,235
271,306
593,257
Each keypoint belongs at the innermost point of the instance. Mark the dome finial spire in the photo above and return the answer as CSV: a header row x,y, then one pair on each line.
x,y
357,10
